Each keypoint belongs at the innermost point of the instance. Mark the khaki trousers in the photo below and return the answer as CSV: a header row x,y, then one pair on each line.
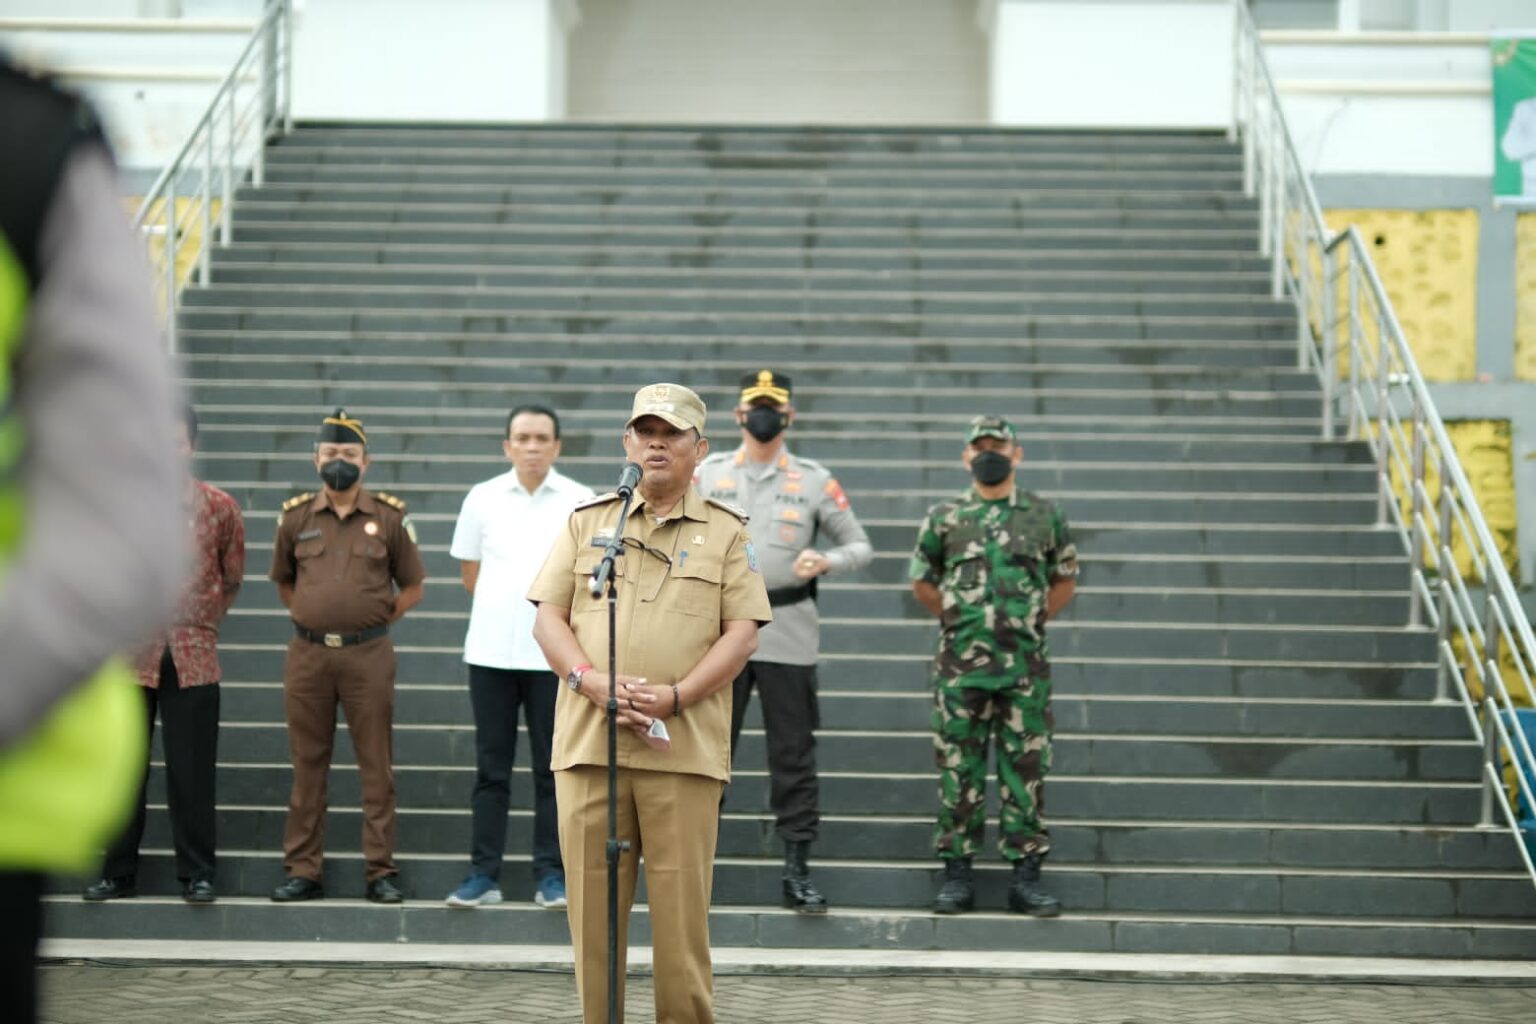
x,y
672,820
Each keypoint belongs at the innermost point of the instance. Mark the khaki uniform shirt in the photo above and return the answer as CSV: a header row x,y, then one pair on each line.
x,y
794,504
344,571
678,581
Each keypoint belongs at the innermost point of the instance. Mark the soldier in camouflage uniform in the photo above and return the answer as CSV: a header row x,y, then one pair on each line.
x,y
993,564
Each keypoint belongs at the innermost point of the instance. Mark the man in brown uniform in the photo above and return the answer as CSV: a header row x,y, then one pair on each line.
x,y
690,600
339,557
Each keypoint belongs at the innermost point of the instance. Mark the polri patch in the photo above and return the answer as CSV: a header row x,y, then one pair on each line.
x,y
751,557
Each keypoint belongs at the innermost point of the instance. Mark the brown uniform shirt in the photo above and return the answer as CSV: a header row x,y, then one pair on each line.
x,y
678,581
344,571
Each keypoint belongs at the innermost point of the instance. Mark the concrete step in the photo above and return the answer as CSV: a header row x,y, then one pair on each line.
x,y
339,920
302,223
1120,798
563,280
446,832
1286,758
468,153
203,314
883,884
932,306
726,256
749,351
1327,523
613,377
447,703
1048,477
830,447
1092,674
1086,174
604,140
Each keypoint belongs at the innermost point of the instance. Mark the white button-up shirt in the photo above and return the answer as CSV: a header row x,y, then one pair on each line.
x,y
510,532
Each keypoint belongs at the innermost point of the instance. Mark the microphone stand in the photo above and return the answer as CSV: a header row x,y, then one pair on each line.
x,y
603,577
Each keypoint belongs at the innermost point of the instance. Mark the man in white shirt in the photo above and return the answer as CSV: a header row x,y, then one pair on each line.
x,y
505,530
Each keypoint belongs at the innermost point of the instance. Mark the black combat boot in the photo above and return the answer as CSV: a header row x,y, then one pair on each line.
x,y
1025,895
958,893
800,893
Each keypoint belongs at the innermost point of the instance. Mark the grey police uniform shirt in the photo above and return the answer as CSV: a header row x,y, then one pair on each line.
x,y
100,564
793,503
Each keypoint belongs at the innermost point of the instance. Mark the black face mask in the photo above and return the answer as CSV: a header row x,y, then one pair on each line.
x,y
990,467
340,475
766,423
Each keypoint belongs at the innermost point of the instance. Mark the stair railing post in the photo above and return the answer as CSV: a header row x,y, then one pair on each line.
x,y
1416,530
1355,338
1444,560
1251,102
226,210
1330,367
1383,451
287,22
1490,672
1303,230
1277,204
205,193
169,252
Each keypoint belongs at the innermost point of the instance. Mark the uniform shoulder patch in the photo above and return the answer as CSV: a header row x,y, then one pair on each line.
x,y
389,499
598,499
297,500
739,513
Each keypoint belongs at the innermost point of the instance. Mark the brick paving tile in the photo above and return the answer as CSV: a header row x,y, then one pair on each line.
x,y
93,994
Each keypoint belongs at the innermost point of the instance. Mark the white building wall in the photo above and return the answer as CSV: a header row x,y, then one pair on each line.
x,y
799,61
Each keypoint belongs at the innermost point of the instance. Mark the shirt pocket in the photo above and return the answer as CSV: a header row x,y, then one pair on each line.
x,y
965,583
696,585
789,528
306,549
582,601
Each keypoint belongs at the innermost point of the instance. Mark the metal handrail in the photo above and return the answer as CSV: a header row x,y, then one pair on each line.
x,y
253,103
1373,382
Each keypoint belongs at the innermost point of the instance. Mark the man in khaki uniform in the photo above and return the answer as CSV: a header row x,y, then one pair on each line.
x,y
690,600
346,567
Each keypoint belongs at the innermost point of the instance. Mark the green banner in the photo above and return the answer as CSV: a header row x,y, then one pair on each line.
x,y
1514,119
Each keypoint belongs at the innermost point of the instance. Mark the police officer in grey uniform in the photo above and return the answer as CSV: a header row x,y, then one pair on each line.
x,y
794,505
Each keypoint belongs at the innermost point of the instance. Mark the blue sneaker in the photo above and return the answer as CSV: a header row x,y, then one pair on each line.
x,y
476,891
551,892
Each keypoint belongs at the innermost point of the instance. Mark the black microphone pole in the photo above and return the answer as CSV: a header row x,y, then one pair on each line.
x,y
603,577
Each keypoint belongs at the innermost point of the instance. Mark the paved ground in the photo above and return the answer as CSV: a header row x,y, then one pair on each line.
x,y
95,994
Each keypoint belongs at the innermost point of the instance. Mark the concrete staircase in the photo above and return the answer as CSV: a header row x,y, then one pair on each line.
x,y
1249,760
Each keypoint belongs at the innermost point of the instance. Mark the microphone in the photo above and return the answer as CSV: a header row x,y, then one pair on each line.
x,y
629,477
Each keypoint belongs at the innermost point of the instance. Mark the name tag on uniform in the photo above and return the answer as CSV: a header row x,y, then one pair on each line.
x,y
309,535
601,540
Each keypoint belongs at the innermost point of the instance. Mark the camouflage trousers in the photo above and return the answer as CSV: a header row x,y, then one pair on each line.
x,y
965,723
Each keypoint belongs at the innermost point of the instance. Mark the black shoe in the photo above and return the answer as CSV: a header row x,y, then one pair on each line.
x,y
800,893
1025,895
297,890
199,891
384,890
110,889
958,893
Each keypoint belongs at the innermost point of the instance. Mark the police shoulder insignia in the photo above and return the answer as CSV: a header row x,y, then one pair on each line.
x,y
746,540
739,513
410,528
597,499
389,499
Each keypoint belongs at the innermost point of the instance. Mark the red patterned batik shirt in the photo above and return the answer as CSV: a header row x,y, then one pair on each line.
x,y
218,564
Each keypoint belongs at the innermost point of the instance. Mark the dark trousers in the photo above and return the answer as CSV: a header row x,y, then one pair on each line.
x,y
790,719
21,923
495,694
189,731
361,679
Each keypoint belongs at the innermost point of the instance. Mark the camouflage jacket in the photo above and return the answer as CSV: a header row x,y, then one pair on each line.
x,y
993,563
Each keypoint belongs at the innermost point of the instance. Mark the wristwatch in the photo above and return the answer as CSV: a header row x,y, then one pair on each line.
x,y
573,677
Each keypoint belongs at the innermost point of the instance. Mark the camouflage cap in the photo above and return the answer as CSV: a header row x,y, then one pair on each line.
x,y
672,402
990,426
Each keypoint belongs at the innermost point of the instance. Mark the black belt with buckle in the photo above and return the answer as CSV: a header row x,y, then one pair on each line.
x,y
791,595
340,639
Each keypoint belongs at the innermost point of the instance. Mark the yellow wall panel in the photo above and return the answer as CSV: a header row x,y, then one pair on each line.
x,y
1428,262
1525,296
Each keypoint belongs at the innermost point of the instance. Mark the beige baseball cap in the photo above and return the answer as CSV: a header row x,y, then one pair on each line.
x,y
674,403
